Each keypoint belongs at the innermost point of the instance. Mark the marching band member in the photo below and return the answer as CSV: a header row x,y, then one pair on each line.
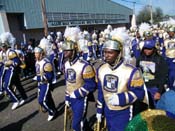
x,y
12,71
47,46
52,53
85,46
119,84
100,45
80,79
59,42
94,46
44,77
169,51
2,70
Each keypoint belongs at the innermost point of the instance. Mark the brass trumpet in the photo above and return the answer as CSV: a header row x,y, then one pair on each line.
x,y
23,65
67,118
100,126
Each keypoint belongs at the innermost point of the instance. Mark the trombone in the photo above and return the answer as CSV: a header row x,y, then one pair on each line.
x,y
100,126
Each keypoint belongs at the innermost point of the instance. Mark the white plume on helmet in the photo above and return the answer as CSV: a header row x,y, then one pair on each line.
x,y
50,38
120,34
106,34
72,33
94,36
144,27
109,27
83,41
80,35
7,39
86,35
154,26
46,46
171,21
83,45
59,35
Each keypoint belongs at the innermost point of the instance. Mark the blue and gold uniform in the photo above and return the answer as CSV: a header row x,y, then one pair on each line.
x,y
79,76
11,76
125,81
2,70
85,47
169,46
80,80
44,72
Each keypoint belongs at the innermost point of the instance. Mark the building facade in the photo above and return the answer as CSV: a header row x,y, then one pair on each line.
x,y
24,17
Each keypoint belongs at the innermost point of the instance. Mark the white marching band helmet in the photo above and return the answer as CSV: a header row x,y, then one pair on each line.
x,y
120,41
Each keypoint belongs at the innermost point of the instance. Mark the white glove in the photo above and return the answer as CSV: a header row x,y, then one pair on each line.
x,y
114,100
98,116
67,103
174,60
72,95
35,78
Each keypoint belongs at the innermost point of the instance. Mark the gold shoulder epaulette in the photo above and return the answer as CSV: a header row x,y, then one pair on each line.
x,y
89,44
48,67
12,54
137,80
88,72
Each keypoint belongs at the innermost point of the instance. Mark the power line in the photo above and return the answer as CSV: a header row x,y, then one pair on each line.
x,y
133,2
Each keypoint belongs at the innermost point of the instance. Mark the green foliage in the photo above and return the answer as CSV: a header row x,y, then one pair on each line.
x,y
144,15
158,15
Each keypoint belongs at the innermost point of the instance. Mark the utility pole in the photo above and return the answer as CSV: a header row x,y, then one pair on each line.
x,y
134,7
151,12
44,17
133,20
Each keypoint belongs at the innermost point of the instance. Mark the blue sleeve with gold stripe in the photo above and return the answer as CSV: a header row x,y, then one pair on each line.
x,y
88,75
135,89
100,99
13,62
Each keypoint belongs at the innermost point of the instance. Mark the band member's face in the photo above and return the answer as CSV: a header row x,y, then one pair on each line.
x,y
110,55
4,48
38,56
171,34
138,35
68,54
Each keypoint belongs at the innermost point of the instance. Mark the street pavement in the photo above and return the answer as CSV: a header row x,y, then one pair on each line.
x,y
29,117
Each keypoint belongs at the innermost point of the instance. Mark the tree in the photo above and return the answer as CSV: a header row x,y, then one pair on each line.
x,y
144,15
158,15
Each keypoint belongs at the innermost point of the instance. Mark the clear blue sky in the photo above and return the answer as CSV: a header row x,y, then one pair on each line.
x,y
168,6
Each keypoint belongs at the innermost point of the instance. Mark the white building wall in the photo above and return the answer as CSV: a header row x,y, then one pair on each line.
x,y
4,27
